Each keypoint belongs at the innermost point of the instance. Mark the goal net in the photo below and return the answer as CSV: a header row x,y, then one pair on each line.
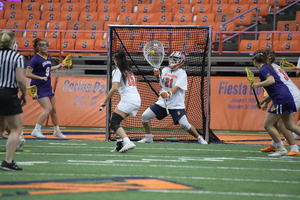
x,y
195,43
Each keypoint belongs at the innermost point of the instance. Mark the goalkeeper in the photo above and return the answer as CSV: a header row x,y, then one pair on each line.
x,y
173,80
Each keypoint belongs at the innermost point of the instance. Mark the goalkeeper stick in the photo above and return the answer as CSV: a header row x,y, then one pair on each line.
x,y
250,77
32,90
287,65
154,54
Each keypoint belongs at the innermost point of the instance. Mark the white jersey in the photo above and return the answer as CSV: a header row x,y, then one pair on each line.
x,y
169,79
128,91
298,64
289,83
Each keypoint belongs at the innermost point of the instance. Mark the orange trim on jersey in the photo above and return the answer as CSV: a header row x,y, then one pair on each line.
x,y
171,75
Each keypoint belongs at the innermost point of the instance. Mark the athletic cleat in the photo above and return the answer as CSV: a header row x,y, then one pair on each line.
x,y
201,141
119,145
269,148
147,139
278,153
293,153
59,134
21,143
3,135
9,166
38,134
127,146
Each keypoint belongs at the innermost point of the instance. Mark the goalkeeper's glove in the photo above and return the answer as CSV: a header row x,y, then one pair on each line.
x,y
165,94
156,72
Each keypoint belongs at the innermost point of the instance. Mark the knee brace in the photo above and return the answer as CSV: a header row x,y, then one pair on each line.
x,y
115,121
184,123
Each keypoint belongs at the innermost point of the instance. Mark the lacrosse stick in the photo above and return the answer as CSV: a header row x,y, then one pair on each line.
x,y
250,77
32,90
287,65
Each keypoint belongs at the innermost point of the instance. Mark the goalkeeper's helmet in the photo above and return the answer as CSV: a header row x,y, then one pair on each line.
x,y
176,60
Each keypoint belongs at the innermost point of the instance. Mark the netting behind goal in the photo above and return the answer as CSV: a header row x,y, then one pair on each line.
x,y
194,42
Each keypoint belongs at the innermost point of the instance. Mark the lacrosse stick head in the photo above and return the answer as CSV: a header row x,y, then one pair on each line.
x,y
286,65
67,61
176,59
250,75
154,53
32,90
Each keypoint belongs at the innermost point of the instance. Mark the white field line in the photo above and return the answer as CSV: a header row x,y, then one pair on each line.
x,y
252,194
157,176
108,163
284,159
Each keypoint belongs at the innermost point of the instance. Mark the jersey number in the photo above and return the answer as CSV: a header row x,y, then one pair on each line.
x,y
169,82
284,74
130,79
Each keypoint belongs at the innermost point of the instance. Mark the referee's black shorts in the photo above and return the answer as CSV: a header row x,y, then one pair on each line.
x,y
10,103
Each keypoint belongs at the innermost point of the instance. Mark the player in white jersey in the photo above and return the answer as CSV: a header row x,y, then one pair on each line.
x,y
291,137
123,81
174,84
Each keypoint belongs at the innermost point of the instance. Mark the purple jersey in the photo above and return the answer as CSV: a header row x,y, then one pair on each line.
x,y
278,92
41,67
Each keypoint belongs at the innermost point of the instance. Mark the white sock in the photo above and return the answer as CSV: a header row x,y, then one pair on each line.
x,y
279,144
22,132
294,147
149,135
56,128
126,140
199,138
273,144
38,127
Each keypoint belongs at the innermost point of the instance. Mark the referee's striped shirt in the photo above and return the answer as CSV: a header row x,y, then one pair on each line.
x,y
9,61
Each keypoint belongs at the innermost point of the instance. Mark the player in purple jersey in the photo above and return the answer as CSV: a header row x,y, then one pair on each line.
x,y
39,71
283,106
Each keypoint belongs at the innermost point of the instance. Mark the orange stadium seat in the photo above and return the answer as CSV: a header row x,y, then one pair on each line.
x,y
52,43
25,43
256,2
156,2
108,17
93,35
205,17
268,36
182,18
56,25
262,9
218,2
101,45
164,18
181,2
3,23
240,2
110,23
226,27
136,2
16,24
290,36
123,8
67,44
145,8
91,1
31,15
69,1
196,2
245,19
181,9
36,25
106,8
94,25
31,6
147,18
249,45
202,8
286,26
50,1
87,7
32,0
13,14
84,44
285,45
70,7
51,7
278,3
264,44
163,8
91,16
69,16
126,17
239,8
223,16
13,5
51,16
220,8
75,25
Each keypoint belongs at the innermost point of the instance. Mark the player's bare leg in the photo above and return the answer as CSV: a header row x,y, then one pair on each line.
x,y
194,133
54,118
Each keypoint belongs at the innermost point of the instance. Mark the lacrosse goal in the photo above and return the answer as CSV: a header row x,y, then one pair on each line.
x,y
195,43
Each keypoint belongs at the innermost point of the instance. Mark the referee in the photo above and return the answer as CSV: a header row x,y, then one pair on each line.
x,y
11,79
